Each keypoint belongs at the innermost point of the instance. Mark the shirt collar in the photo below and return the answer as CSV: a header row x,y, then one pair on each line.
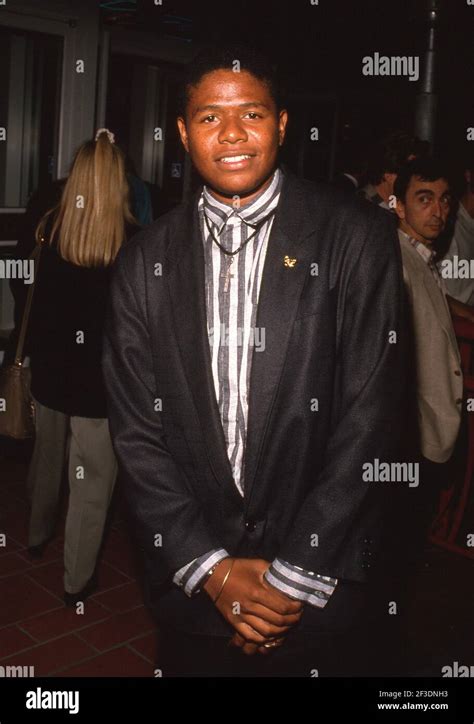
x,y
425,253
219,213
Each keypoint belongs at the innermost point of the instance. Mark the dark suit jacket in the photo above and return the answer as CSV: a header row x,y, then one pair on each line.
x,y
327,337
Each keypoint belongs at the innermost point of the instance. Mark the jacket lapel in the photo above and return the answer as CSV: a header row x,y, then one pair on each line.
x,y
280,290
187,292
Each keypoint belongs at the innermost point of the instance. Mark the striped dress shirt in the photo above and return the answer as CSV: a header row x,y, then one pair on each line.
x,y
428,255
231,303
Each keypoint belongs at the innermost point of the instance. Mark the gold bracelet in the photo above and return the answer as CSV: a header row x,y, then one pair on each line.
x,y
211,571
225,580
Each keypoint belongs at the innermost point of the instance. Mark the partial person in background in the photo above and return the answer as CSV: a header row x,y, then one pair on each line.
x,y
80,237
423,206
423,196
455,266
385,161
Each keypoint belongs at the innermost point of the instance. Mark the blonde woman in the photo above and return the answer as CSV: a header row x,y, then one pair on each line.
x,y
80,236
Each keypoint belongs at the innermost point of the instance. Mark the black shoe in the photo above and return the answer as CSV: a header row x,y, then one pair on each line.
x,y
71,599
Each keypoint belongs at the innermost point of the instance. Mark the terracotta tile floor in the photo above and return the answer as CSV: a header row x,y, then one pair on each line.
x,y
115,636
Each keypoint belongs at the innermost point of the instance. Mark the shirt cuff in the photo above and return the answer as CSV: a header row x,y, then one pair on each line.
x,y
303,585
191,575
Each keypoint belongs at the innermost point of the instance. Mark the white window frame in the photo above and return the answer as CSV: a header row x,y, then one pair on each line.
x,y
78,25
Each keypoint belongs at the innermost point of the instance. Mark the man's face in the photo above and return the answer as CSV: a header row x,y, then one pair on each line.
x,y
232,131
425,210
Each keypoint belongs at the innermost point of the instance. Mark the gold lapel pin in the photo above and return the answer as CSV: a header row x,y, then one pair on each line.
x,y
290,262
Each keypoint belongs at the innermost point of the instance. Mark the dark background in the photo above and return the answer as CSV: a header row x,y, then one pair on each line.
x,y
318,50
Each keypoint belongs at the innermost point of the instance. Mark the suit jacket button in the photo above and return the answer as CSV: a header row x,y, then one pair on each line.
x,y
250,525
459,401
457,372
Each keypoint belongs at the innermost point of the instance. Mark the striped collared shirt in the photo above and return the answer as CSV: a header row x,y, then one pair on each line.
x,y
231,303
427,255
231,314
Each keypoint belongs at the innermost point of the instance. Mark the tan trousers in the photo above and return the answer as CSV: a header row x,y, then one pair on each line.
x,y
92,471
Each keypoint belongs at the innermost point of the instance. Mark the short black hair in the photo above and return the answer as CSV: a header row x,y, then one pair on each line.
x,y
391,152
212,58
427,169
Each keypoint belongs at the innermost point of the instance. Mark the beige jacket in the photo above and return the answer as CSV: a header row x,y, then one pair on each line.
x,y
438,362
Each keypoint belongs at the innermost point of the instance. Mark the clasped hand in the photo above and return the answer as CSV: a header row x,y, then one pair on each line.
x,y
259,613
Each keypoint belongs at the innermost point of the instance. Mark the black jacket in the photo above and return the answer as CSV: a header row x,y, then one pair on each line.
x,y
66,375
327,337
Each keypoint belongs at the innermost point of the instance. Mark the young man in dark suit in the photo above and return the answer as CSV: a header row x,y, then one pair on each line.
x,y
254,364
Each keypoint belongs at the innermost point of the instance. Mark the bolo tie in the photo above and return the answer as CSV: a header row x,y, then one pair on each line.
x,y
231,254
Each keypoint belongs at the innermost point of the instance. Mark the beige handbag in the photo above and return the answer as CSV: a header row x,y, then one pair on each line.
x,y
17,410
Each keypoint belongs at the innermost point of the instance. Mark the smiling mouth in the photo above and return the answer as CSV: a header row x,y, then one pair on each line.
x,y
235,159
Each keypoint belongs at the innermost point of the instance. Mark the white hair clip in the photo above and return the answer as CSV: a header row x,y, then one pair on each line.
x,y
110,135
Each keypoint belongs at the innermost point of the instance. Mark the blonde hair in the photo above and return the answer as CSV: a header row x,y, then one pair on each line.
x,y
90,218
